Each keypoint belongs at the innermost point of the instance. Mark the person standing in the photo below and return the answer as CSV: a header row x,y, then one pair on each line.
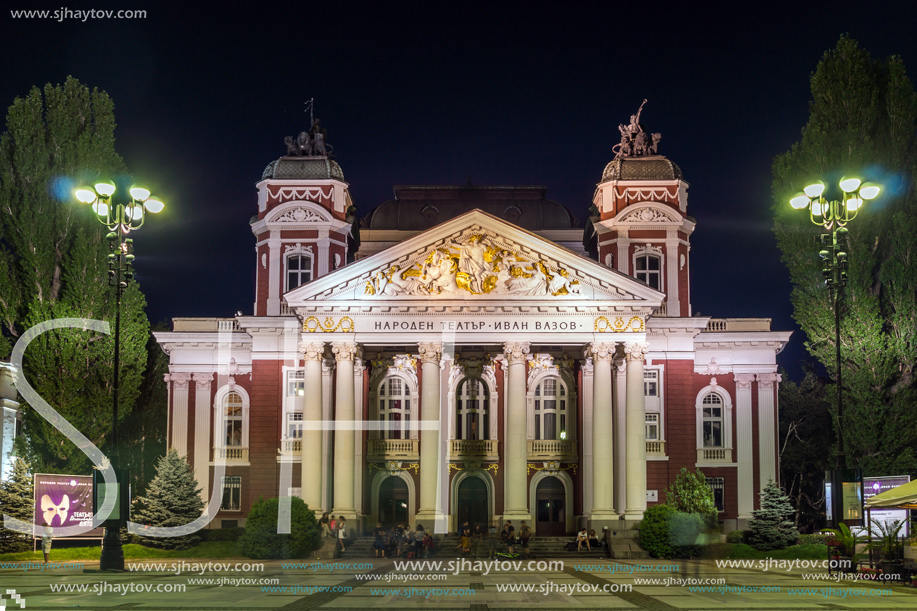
x,y
325,525
477,535
509,536
525,533
379,543
491,541
342,532
46,536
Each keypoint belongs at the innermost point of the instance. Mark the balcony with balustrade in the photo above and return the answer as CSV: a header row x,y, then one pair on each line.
x,y
231,455
655,449
474,449
551,449
714,455
393,449
290,450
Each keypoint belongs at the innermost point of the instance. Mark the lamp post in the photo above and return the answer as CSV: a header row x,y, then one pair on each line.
x,y
120,219
833,216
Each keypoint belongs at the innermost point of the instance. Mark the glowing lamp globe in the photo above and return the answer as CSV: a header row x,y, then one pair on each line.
x,y
869,191
140,193
799,201
154,205
85,195
105,189
849,185
815,189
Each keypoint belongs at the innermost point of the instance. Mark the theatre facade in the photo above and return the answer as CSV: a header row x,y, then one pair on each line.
x,y
474,353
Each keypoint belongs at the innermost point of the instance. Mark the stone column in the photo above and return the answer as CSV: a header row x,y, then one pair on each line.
x,y
745,488
202,445
275,275
311,476
602,435
344,411
358,368
430,509
585,392
515,479
636,431
180,412
619,371
767,444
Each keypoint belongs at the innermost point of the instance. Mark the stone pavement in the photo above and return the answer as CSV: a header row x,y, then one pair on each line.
x,y
579,584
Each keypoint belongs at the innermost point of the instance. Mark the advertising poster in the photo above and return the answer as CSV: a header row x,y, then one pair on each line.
x,y
64,500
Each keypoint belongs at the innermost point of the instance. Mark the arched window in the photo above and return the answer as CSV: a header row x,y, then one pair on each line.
x,y
713,420
232,414
551,414
299,270
648,269
395,408
472,415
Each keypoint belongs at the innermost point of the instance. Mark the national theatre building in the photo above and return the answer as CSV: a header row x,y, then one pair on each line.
x,y
473,353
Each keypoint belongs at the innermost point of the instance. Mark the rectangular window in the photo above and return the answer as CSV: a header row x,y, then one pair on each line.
x,y
650,383
299,271
232,493
296,383
652,427
713,427
294,425
718,485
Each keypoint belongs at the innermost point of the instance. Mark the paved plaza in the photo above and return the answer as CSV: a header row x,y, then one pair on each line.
x,y
332,584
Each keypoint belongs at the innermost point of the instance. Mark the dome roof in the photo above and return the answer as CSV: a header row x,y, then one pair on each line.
x,y
655,167
416,208
303,168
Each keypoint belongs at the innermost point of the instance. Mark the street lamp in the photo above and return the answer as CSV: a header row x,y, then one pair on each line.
x,y
120,219
833,216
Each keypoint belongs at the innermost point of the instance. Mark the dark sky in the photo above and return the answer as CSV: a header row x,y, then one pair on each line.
x,y
440,93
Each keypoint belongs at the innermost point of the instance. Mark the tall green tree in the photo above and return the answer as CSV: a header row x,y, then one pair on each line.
x,y
862,122
53,265
16,501
173,498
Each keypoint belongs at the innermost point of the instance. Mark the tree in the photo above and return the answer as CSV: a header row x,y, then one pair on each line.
x,y
16,501
261,539
862,121
173,498
805,447
690,493
53,265
771,527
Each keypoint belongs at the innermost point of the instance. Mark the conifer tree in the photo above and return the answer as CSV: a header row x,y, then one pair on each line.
x,y
771,527
173,498
16,501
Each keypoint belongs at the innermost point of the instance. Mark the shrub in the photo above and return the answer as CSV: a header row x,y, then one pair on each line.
x,y
223,534
261,539
654,531
690,493
814,539
771,527
736,536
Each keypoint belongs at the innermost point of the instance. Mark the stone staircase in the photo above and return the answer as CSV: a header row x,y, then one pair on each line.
x,y
624,546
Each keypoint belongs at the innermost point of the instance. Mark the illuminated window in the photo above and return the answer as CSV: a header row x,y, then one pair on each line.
x,y
294,425
299,270
648,269
232,411
551,414
395,408
712,418
652,427
232,493
472,415
296,383
650,383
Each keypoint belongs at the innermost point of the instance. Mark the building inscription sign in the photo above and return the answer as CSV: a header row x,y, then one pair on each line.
x,y
559,323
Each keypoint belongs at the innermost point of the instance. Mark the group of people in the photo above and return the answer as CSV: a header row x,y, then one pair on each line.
x,y
335,528
400,541
590,540
471,539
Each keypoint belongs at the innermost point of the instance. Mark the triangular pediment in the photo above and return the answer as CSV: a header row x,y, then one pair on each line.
x,y
478,257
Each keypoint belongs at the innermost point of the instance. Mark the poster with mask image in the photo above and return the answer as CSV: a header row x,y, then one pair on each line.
x,y
64,500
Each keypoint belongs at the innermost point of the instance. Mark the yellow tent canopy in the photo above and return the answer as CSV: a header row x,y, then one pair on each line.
x,y
902,497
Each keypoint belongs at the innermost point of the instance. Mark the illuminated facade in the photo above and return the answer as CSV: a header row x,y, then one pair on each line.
x,y
471,359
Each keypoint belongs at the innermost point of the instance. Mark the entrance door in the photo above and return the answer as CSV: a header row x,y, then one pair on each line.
x,y
550,512
393,502
473,506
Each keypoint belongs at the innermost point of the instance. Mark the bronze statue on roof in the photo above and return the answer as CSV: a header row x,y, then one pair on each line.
x,y
635,141
313,143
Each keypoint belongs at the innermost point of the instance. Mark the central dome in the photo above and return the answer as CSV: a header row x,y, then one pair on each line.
x,y
654,167
303,168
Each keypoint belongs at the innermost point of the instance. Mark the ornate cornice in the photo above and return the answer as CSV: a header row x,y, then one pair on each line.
x,y
636,351
312,351
344,351
515,352
430,352
743,380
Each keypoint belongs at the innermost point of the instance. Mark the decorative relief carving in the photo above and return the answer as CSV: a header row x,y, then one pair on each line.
x,y
299,215
312,324
202,380
743,380
587,366
643,194
515,352
648,215
545,363
713,368
344,351
296,248
180,380
430,352
285,194
634,325
477,265
312,351
767,380
635,351
601,351
403,364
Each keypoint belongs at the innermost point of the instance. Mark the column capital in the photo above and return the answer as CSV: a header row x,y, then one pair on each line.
x,y
515,352
430,352
167,378
601,351
202,380
767,380
636,351
312,351
620,366
344,351
587,366
743,380
180,380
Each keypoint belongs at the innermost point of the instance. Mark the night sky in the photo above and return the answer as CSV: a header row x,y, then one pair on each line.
x,y
444,93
